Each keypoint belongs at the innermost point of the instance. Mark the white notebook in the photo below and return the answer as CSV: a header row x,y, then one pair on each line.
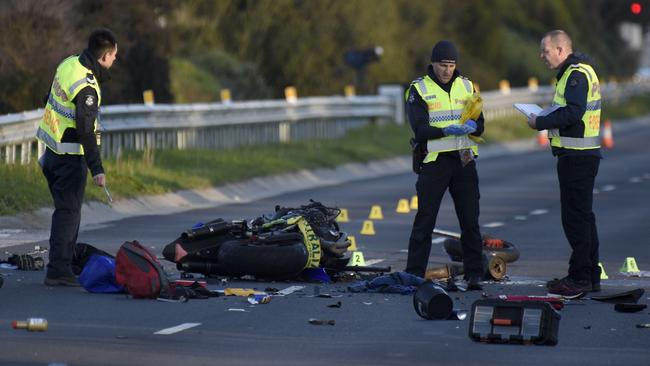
x,y
528,109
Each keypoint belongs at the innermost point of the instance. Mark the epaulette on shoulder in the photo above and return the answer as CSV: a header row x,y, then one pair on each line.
x,y
417,80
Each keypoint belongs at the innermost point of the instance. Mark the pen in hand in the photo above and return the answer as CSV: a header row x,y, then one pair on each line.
x,y
108,194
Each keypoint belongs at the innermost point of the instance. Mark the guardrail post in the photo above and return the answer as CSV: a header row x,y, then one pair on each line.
x,y
291,94
504,87
397,93
533,84
10,154
147,96
25,152
284,131
225,96
349,91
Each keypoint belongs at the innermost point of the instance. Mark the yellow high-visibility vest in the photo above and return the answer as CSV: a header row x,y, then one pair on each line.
x,y
71,76
444,110
591,119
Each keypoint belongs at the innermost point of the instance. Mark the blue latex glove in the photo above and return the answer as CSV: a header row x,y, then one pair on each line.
x,y
471,123
458,130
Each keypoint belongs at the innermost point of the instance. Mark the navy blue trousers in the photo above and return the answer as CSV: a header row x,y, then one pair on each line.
x,y
434,180
577,175
66,178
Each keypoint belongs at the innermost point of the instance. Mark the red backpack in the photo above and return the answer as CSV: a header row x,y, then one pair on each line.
x,y
140,272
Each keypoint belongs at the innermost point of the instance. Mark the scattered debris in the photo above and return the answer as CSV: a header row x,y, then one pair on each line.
x,y
629,308
289,290
321,322
256,299
31,324
232,291
631,296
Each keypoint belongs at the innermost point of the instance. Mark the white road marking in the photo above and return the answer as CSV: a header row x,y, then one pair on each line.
x,y
635,180
520,217
373,262
539,211
176,329
608,188
406,250
493,224
437,240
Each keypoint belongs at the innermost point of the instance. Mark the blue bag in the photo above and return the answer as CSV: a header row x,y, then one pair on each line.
x,y
98,275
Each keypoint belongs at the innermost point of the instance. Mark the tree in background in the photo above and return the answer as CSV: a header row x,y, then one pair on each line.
x,y
30,50
186,51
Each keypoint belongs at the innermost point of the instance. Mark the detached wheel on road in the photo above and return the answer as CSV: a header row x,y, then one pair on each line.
x,y
496,267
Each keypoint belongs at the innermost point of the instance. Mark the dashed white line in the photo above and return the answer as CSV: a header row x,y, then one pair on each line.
x,y
493,224
635,180
539,211
608,188
520,217
373,262
176,329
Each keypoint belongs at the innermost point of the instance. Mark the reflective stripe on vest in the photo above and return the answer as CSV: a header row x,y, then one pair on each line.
x,y
590,119
60,109
455,143
445,109
58,147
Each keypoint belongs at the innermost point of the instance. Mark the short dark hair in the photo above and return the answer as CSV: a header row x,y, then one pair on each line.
x,y
101,40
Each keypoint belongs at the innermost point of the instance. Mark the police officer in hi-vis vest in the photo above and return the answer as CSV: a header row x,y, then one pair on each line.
x,y
434,104
68,131
573,129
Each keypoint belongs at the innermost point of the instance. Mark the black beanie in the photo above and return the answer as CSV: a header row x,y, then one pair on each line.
x,y
444,51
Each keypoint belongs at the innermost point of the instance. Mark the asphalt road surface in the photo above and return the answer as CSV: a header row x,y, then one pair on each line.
x,y
519,202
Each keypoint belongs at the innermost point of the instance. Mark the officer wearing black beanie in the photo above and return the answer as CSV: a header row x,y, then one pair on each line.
x,y
433,106
444,51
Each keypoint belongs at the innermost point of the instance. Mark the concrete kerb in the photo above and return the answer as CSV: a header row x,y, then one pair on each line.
x,y
34,226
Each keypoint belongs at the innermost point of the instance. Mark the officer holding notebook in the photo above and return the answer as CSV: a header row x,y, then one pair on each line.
x,y
434,104
573,129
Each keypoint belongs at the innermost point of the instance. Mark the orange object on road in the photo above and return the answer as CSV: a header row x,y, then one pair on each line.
x,y
608,137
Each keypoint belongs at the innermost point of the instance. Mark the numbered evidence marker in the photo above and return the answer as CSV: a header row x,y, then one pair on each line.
x,y
343,216
375,213
353,243
368,228
414,203
403,206
356,260
603,275
629,265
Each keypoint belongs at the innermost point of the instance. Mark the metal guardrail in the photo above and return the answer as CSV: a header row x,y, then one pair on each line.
x,y
219,125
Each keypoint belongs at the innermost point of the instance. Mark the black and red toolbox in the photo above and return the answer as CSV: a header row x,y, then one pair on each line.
x,y
518,322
